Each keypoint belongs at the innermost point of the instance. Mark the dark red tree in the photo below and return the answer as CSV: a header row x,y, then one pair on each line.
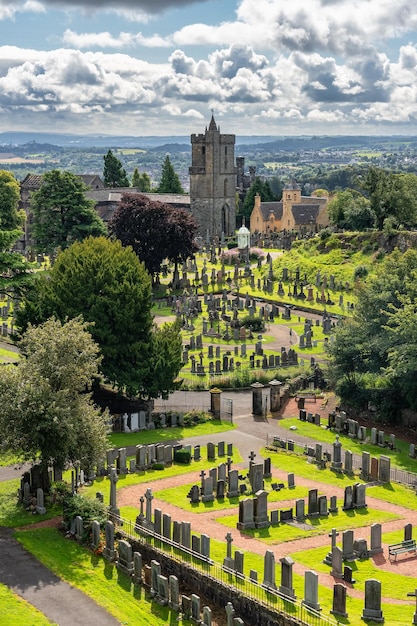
x,y
155,230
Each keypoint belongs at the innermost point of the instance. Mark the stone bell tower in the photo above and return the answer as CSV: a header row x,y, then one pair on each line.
x,y
213,182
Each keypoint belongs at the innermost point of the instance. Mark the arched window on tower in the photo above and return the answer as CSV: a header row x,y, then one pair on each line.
x,y
225,187
225,157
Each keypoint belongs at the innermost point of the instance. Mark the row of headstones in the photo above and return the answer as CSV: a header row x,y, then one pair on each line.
x,y
321,281
352,549
228,363
29,501
164,590
147,455
340,423
134,422
371,467
372,604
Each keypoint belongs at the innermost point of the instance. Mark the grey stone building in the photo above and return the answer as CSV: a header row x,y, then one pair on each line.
x,y
213,182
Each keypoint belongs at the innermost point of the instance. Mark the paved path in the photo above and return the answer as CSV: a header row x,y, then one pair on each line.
x,y
34,582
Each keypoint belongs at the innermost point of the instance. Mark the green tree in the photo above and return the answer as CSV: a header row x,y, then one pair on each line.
x,y
166,361
351,210
368,346
15,274
61,212
170,183
108,285
259,187
391,196
113,173
45,413
141,181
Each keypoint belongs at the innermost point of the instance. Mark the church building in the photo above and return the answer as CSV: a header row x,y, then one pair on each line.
x,y
213,182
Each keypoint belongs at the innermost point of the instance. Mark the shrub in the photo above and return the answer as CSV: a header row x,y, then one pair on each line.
x,y
196,417
157,466
182,456
258,324
87,508
361,271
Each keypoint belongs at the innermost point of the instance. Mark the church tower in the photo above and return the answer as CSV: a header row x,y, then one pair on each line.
x,y
213,182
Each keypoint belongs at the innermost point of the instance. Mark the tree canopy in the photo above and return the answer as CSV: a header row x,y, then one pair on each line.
x,y
14,270
45,413
391,196
375,349
62,213
108,285
113,172
259,187
349,209
170,182
155,230
141,181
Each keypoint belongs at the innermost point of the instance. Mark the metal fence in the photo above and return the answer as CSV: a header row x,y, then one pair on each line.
x,y
402,477
265,595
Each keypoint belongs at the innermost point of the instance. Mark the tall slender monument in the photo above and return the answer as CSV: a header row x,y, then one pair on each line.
x,y
213,182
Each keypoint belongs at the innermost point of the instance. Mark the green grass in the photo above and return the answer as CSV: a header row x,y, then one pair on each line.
x,y
395,585
95,577
13,514
17,612
343,520
388,492
123,440
399,457
144,477
178,496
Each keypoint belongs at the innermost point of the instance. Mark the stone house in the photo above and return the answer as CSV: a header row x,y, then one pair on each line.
x,y
294,212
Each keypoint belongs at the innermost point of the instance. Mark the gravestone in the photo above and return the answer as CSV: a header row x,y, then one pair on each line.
x,y
95,534
311,590
376,547
339,600
313,505
125,560
384,469
337,562
246,516
260,509
174,593
286,586
269,570
137,568
109,552
372,610
347,545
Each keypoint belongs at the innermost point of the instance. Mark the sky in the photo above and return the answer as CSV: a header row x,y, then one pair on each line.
x,y
160,67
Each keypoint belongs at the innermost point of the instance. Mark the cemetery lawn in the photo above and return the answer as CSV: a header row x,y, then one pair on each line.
x,y
343,520
13,514
399,457
178,497
176,469
396,585
389,492
16,611
143,437
95,577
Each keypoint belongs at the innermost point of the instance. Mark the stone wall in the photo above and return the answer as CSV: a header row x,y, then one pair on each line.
x,y
214,591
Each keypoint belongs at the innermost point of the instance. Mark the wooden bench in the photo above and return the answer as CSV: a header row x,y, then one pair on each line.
x,y
401,548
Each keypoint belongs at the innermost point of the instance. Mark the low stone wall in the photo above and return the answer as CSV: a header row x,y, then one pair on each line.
x,y
213,590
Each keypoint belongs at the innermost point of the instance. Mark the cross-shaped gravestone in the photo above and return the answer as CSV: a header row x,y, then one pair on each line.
x,y
229,540
251,458
202,476
333,535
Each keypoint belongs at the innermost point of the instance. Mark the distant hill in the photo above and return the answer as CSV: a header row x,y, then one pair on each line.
x,y
182,143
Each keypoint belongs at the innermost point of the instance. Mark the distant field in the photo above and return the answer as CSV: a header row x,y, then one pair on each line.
x,y
17,160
